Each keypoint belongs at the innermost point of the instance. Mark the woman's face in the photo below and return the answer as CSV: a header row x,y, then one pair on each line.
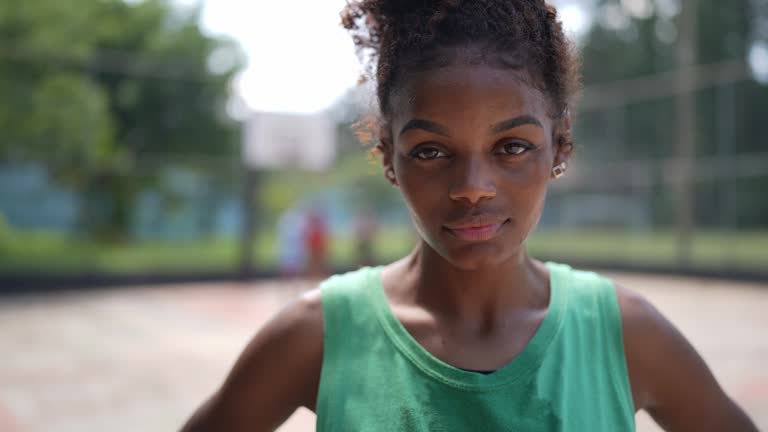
x,y
472,152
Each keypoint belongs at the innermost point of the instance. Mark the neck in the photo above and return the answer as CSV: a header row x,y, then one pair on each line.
x,y
482,295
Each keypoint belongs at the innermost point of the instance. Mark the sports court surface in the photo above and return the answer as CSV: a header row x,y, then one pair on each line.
x,y
142,358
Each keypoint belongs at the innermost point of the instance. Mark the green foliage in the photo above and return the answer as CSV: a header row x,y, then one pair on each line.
x,y
94,89
62,118
635,46
729,117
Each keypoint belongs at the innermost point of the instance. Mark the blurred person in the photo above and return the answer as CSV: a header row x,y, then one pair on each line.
x,y
316,244
468,332
365,234
290,229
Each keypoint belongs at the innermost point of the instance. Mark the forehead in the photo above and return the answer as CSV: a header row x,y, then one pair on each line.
x,y
469,93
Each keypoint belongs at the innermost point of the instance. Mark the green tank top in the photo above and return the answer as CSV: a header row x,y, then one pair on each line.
x,y
571,376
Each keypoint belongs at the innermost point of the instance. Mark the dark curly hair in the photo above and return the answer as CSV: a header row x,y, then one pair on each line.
x,y
394,37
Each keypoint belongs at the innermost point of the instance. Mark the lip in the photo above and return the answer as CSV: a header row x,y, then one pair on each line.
x,y
477,228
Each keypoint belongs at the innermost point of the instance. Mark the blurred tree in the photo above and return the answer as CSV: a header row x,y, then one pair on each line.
x,y
50,111
637,38
97,90
641,35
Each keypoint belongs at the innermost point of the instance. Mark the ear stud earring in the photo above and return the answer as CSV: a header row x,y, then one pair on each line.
x,y
559,170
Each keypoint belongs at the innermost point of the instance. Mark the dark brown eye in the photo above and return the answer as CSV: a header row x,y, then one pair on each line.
x,y
427,153
515,148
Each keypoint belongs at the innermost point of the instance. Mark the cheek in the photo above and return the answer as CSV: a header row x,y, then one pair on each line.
x,y
528,176
527,191
426,193
525,178
424,189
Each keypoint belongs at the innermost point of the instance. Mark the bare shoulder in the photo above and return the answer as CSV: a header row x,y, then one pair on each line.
x,y
640,320
669,378
277,372
305,314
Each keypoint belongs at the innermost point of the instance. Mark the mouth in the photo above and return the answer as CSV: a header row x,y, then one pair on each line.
x,y
474,231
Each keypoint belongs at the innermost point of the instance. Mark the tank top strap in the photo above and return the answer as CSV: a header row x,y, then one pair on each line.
x,y
346,310
350,333
341,292
592,328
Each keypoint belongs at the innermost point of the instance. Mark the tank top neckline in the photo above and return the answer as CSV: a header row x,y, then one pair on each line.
x,y
521,365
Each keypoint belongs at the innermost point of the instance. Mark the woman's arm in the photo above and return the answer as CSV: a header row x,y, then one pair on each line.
x,y
668,377
277,372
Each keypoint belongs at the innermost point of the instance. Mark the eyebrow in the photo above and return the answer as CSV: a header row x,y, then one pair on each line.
x,y
502,126
424,125
515,122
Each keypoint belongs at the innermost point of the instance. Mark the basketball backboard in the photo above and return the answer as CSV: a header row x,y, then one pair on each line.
x,y
278,140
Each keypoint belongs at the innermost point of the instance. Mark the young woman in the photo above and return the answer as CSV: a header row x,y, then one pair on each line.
x,y
468,333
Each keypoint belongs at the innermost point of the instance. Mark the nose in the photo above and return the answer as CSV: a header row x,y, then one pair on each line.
x,y
474,183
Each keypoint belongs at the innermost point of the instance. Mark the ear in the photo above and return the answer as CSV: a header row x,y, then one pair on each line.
x,y
386,147
563,142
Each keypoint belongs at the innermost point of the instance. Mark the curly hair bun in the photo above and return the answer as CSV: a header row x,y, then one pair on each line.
x,y
394,37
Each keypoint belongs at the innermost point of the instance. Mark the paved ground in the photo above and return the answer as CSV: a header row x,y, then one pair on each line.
x,y
141,359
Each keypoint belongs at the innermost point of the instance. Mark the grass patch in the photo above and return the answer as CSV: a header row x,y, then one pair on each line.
x,y
43,252
735,250
53,253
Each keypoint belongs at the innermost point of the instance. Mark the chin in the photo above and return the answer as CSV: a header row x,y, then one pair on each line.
x,y
478,256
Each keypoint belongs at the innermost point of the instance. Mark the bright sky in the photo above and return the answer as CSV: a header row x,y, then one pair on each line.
x,y
299,57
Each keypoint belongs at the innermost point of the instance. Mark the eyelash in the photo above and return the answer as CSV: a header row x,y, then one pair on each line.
x,y
525,146
418,153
